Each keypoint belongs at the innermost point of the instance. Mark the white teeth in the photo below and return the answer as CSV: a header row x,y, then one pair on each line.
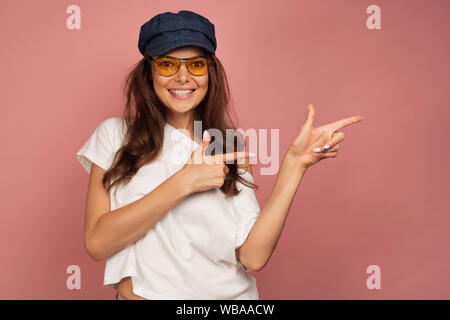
x,y
181,92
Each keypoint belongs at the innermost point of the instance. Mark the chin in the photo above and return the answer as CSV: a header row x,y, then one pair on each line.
x,y
181,108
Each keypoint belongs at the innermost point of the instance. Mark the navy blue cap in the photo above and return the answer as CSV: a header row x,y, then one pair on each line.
x,y
168,31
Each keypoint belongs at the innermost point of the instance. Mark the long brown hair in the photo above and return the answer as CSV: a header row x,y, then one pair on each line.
x,y
145,127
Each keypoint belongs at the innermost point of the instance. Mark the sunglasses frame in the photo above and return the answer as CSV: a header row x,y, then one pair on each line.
x,y
208,62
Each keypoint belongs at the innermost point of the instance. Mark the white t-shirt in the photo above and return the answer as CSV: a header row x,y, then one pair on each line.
x,y
190,252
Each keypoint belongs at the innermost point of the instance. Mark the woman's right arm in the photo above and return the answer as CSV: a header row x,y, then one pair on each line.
x,y
107,232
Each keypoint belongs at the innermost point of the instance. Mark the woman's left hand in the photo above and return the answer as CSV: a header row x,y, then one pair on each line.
x,y
310,145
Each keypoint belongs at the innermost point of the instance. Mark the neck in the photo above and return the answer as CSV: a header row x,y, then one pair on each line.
x,y
183,121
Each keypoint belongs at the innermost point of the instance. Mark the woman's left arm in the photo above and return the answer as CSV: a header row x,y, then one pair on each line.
x,y
263,238
309,147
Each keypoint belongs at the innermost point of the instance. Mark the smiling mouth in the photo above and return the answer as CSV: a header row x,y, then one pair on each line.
x,y
181,93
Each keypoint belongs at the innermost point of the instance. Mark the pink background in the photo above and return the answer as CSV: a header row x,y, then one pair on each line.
x,y
383,201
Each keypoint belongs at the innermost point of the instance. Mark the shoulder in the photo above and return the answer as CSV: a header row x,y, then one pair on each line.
x,y
111,123
106,126
113,129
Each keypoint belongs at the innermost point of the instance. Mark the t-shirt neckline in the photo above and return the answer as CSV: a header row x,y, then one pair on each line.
x,y
189,139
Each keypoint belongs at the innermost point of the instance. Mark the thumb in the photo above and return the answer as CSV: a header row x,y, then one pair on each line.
x,y
197,155
205,142
311,115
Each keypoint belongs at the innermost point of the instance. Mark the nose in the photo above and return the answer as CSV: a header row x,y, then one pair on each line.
x,y
183,72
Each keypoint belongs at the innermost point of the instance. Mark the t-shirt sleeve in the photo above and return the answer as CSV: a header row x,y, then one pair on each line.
x,y
99,147
247,209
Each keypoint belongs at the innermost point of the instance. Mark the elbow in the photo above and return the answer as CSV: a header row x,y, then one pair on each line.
x,y
257,267
93,250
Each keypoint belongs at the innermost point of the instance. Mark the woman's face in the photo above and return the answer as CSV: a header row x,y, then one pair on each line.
x,y
181,80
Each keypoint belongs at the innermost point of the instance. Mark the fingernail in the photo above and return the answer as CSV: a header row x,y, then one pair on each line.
x,y
251,154
325,147
206,135
309,106
316,149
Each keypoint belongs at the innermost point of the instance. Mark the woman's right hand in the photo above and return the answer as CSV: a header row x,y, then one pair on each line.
x,y
203,172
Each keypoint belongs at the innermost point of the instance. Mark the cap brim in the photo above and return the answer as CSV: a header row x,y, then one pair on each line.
x,y
169,46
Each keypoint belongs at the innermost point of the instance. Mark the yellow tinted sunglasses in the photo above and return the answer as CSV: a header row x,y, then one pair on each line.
x,y
167,66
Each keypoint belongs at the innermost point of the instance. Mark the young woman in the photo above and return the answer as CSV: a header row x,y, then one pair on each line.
x,y
176,218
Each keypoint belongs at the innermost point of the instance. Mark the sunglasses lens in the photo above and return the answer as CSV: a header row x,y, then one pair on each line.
x,y
198,66
168,67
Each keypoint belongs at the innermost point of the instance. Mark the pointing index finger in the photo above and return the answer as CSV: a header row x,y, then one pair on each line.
x,y
334,126
232,156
